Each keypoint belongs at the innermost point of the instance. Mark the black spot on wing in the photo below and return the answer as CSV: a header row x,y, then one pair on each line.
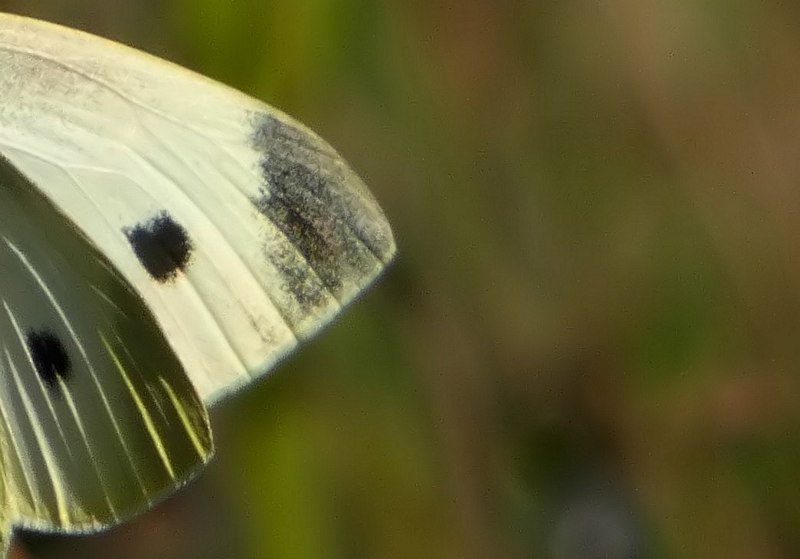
x,y
161,245
305,195
49,356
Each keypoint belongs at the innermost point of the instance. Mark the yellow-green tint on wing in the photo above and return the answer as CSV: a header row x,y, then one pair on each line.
x,y
98,420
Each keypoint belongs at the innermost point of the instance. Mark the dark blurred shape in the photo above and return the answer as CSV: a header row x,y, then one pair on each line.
x,y
594,520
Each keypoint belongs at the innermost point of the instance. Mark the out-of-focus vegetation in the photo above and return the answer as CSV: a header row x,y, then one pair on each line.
x,y
589,345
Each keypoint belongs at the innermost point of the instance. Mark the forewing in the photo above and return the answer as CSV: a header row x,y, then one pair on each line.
x,y
97,418
242,230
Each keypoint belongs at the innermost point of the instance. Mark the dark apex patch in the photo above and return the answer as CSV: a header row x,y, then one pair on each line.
x,y
272,135
305,194
49,356
161,245
308,232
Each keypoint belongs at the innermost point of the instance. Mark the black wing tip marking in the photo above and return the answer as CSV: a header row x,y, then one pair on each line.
x,y
321,207
49,356
304,229
162,246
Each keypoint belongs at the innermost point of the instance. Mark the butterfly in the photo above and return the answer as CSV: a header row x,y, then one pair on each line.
x,y
164,241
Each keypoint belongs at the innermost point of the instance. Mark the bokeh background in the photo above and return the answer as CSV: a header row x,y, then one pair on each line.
x,y
589,345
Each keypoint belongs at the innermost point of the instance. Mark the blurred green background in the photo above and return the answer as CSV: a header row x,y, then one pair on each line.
x,y
589,345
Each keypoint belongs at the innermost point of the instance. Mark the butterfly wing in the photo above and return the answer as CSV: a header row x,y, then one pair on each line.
x,y
97,418
241,229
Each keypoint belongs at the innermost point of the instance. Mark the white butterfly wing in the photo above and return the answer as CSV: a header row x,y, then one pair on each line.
x,y
97,418
241,229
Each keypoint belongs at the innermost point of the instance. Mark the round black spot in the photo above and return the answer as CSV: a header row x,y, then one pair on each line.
x,y
161,245
49,356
